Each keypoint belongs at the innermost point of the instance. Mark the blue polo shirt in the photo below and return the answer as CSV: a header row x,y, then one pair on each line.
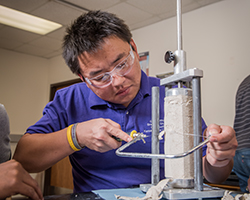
x,y
93,170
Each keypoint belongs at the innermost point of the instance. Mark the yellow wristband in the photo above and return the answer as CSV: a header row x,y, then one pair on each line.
x,y
69,137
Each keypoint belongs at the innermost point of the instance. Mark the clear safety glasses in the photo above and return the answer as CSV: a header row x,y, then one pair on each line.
x,y
121,69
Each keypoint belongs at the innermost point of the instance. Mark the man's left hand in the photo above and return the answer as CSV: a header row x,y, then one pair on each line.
x,y
222,146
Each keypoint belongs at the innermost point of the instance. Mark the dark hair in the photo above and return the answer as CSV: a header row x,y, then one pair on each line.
x,y
87,33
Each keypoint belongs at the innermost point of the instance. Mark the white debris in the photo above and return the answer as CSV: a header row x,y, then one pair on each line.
x,y
228,196
153,193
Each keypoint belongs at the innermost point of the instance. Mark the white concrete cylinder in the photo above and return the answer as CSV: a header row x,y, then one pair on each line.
x,y
178,127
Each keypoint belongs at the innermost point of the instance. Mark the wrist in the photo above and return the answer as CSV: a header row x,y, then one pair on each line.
x,y
72,138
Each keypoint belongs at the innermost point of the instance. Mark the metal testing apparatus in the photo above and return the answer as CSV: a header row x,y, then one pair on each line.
x,y
182,129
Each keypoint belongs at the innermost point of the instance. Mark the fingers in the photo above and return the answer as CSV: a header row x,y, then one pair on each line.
x,y
215,162
213,130
115,130
111,135
18,181
220,133
29,191
32,189
218,158
222,145
27,186
98,134
102,141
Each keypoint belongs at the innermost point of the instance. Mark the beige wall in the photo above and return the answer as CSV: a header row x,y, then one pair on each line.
x,y
23,88
59,71
214,37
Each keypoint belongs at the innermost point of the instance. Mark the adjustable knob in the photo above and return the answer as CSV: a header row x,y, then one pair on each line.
x,y
169,57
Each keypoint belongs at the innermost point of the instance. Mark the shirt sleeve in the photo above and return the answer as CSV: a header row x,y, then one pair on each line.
x,y
204,126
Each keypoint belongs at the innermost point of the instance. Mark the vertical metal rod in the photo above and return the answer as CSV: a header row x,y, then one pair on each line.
x,y
179,26
155,163
198,180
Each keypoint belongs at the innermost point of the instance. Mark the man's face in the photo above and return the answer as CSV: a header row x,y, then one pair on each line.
x,y
123,89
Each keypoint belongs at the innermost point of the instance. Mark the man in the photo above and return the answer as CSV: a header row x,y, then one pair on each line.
x,y
113,100
242,129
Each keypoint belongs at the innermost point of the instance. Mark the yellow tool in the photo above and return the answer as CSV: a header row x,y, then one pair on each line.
x,y
132,134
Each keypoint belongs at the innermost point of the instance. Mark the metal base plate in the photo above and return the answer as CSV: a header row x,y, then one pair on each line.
x,y
172,193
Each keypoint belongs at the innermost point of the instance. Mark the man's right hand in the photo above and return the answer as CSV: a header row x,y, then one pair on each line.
x,y
97,134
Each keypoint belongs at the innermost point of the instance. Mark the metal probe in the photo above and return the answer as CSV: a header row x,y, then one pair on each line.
x,y
159,156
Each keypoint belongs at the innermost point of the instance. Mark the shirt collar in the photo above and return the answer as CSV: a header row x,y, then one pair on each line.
x,y
145,88
94,100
